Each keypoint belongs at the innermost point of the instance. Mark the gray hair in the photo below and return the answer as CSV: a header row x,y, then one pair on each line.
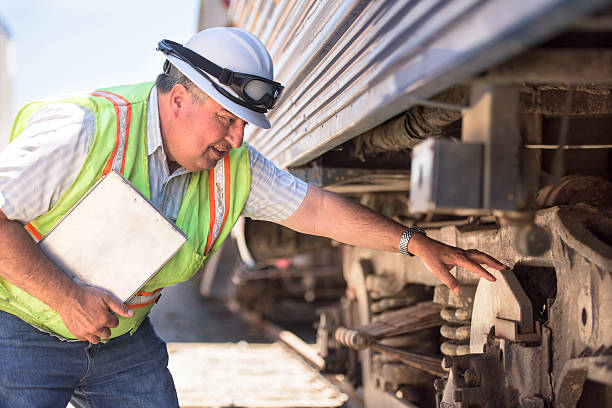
x,y
172,77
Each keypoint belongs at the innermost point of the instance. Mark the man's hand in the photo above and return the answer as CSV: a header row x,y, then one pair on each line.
x,y
441,258
88,313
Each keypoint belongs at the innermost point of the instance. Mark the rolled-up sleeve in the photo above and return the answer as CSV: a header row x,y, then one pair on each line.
x,y
275,193
42,163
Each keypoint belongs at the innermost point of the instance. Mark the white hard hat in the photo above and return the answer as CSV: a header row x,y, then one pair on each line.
x,y
236,70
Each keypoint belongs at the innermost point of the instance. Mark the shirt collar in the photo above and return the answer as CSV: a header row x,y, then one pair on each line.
x,y
154,140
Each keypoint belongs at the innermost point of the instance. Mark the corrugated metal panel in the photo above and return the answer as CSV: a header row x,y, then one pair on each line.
x,y
348,66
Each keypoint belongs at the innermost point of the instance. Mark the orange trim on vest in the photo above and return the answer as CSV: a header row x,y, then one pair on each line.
x,y
212,205
143,293
33,231
127,130
109,164
141,305
226,165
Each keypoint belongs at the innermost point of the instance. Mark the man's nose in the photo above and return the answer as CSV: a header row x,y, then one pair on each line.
x,y
236,135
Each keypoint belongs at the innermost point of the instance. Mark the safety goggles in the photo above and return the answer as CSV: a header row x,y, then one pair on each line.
x,y
256,93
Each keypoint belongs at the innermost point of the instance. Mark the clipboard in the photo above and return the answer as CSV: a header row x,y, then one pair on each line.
x,y
113,238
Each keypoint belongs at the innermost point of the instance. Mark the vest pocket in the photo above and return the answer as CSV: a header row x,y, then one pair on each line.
x,y
21,303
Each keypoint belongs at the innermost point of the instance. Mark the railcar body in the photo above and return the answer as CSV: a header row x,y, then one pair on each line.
x,y
487,123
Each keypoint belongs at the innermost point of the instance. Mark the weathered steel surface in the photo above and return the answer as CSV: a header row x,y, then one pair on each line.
x,y
580,253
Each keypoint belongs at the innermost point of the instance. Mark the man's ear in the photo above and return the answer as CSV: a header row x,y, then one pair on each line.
x,y
178,96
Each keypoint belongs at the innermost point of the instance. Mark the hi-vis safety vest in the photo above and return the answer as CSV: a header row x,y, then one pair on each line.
x,y
211,205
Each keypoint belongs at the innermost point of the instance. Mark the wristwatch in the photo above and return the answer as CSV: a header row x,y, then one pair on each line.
x,y
410,231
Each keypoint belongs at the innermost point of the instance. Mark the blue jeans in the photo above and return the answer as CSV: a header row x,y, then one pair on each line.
x,y
38,370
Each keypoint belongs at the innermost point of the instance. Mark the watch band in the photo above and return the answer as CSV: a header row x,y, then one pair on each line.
x,y
410,231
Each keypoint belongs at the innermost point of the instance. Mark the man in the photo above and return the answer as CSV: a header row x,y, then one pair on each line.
x,y
180,143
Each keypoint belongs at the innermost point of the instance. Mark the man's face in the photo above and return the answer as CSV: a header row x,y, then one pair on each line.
x,y
202,134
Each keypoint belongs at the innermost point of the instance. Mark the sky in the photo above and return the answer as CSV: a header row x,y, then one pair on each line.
x,y
66,46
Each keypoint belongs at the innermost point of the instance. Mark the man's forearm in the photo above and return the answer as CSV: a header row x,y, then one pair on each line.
x,y
344,220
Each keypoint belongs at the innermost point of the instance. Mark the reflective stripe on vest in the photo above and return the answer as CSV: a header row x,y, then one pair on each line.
x,y
219,199
142,299
123,112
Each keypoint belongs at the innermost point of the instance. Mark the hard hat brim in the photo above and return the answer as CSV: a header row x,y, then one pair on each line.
x,y
256,118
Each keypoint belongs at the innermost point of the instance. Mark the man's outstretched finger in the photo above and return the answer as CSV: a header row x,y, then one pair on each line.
x,y
448,279
486,259
472,266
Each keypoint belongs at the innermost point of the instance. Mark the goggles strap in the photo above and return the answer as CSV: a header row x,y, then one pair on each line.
x,y
193,57
167,67
225,78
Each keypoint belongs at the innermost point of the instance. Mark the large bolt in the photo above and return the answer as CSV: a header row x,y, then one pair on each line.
x,y
361,341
